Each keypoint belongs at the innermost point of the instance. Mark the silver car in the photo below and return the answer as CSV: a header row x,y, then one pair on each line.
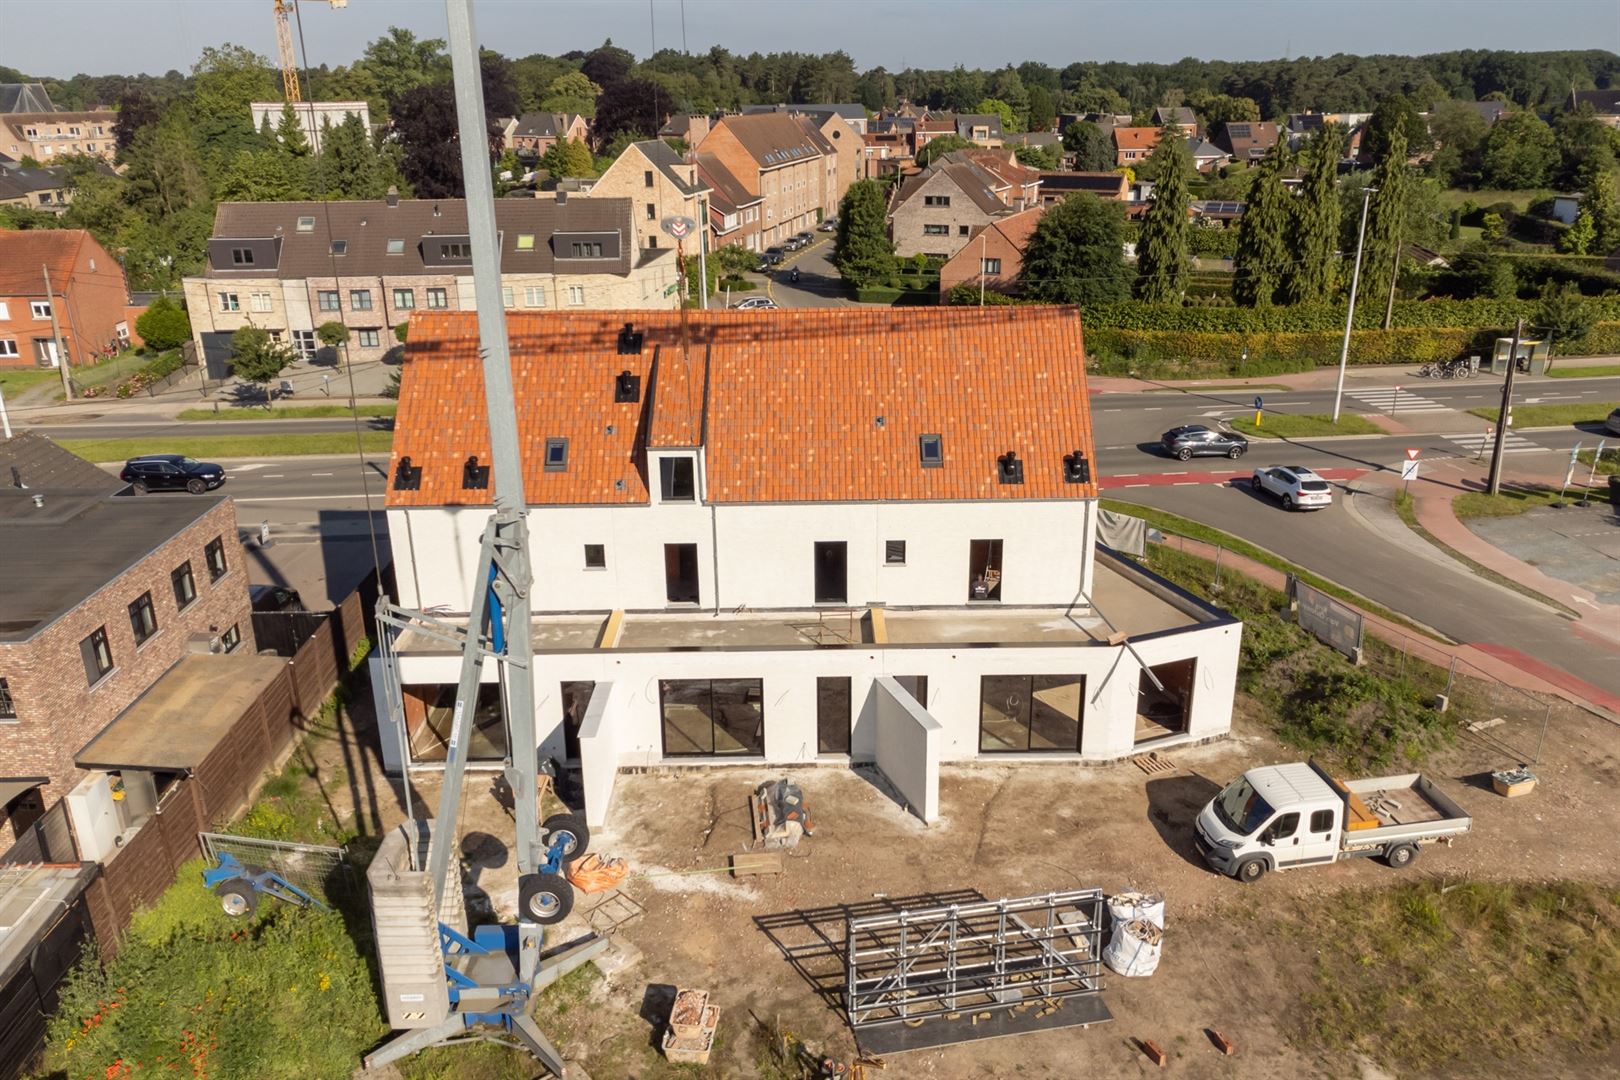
x,y
1612,424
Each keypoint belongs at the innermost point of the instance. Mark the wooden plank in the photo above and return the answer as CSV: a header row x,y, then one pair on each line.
x,y
748,864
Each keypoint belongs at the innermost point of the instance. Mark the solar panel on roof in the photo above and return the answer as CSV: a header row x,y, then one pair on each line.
x,y
1239,131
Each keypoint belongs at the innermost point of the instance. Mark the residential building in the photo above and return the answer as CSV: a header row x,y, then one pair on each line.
x,y
1031,138
1181,117
289,267
532,134
1206,156
87,293
1605,103
884,153
1134,144
848,148
1216,212
25,98
689,128
314,117
983,129
46,136
736,214
787,162
1017,186
37,189
1248,142
659,184
993,256
935,211
853,114
1489,111
907,574
928,128
1057,186
103,595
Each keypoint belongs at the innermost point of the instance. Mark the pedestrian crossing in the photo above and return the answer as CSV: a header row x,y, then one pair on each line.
x,y
1481,445
1396,399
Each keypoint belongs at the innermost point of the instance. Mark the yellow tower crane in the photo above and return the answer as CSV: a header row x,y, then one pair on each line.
x,y
284,43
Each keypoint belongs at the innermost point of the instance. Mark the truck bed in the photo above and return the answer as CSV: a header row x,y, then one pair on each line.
x,y
1404,807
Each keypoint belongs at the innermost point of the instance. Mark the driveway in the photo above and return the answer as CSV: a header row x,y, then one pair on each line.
x,y
818,286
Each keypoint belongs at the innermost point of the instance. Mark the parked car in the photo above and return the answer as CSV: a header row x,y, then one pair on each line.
x,y
1196,440
794,243
1612,424
756,303
807,237
830,225
1296,486
275,598
767,259
171,472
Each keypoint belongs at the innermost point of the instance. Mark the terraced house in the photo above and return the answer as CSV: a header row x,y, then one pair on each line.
x,y
798,168
290,267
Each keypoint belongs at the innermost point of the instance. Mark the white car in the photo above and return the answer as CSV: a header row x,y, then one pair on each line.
x,y
1296,486
757,303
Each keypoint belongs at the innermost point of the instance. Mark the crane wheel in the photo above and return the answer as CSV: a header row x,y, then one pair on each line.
x,y
545,898
238,898
576,836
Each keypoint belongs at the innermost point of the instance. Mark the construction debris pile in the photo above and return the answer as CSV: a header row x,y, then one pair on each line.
x,y
1138,933
692,1023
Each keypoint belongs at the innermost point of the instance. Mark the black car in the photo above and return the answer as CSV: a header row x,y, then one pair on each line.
x,y
1196,440
171,472
275,598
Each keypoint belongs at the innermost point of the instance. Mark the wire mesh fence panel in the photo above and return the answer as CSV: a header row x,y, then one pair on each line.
x,y
309,866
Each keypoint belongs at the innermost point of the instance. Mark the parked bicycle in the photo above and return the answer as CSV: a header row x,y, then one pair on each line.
x,y
1448,369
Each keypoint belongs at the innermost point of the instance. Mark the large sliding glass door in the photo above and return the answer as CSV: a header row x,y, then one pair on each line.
x,y
1021,714
713,717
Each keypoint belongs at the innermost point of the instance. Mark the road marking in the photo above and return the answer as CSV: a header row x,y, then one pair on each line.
x,y
355,495
1397,400
1181,472
1186,483
1484,444
1137,485
1156,408
320,474
1128,474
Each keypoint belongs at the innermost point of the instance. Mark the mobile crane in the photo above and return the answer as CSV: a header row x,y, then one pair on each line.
x,y
442,984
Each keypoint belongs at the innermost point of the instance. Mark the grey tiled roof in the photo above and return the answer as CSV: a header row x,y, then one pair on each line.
x,y
25,98
666,160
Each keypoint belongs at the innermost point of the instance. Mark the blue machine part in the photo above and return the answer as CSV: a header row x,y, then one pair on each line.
x,y
231,869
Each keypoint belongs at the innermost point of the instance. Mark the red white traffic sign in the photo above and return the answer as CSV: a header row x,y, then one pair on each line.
x,y
1411,453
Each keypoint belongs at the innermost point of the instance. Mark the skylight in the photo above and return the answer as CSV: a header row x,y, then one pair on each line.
x,y
306,224
931,451
556,455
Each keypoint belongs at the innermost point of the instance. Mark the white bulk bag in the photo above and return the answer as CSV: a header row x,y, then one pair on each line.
x,y
1125,906
1133,950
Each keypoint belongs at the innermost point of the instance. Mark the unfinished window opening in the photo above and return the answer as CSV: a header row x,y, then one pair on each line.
x,y
681,573
832,714
718,717
916,686
984,570
1161,713
595,557
1022,714
894,553
576,698
832,571
429,710
676,477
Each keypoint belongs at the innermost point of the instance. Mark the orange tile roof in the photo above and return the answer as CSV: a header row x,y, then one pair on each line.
x,y
1136,138
816,405
25,254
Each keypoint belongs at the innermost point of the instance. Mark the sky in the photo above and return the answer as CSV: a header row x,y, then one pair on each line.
x,y
59,38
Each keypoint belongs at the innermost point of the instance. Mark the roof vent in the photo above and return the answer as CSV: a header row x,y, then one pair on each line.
x,y
1009,469
39,500
392,198
436,212
626,386
473,475
630,340
407,477
882,421
562,197
1076,469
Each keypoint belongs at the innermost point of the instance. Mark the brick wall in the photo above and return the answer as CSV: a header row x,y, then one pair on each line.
x,y
58,712
963,267
911,216
89,308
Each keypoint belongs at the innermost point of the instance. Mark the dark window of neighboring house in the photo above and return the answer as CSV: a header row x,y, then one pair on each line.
x,y
704,717
97,655
962,230
438,298
681,573
214,554
652,212
1030,713
984,570
584,250
936,200
185,586
328,299
576,698
647,178
936,230
1322,821
241,256
832,714
894,553
231,638
8,708
595,557
368,339
457,251
675,479
142,619
360,299
990,266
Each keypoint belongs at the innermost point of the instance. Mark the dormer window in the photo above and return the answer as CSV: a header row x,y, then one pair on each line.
x,y
306,224
931,451
241,256
556,455
407,477
1009,469
676,479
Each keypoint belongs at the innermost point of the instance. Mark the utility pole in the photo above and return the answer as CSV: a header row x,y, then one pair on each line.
x,y
1355,280
56,337
1507,410
702,231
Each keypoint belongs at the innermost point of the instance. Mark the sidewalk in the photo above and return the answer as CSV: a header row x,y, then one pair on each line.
x,y
1326,378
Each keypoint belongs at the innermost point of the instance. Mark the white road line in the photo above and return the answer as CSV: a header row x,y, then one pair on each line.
x,y
1181,472
1127,474
1138,485
356,495
1186,483
1156,408
321,474
270,475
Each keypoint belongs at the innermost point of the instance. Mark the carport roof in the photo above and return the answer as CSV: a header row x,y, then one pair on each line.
x,y
181,718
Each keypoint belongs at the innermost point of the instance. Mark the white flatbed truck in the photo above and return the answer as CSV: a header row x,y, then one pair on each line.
x,y
1278,817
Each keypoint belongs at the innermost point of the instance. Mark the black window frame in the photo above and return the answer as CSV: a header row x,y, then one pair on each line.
x,y
833,724
752,690
216,547
241,256
934,442
91,648
596,556
321,299
1027,720
8,704
143,618
556,455
671,484
231,639
891,548
176,576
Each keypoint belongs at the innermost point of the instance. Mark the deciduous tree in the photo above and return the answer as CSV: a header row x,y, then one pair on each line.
x,y
630,105
861,249
1161,251
259,358
1262,245
350,167
1093,150
1077,253
1042,112
1521,152
939,147
425,124
997,107
573,92
1394,113
163,325
399,62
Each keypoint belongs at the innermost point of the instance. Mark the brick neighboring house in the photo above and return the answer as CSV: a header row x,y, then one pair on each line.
x,y
936,211
271,265
1057,186
688,127
532,134
1133,144
45,136
1184,119
787,162
1206,156
36,189
658,184
1017,186
994,252
734,211
983,129
885,152
103,595
851,113
87,284
1248,141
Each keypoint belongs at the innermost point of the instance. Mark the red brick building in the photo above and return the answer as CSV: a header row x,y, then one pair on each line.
x,y
995,253
87,285
103,594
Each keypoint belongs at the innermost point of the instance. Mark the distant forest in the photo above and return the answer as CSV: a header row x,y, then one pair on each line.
x,y
720,79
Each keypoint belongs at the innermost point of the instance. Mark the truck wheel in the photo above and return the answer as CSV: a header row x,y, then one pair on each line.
x,y
1251,871
576,837
238,898
545,898
1400,856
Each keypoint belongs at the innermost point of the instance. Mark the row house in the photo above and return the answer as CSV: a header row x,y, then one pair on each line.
x,y
532,134
45,136
735,213
797,168
936,211
87,293
290,267
913,578
1180,117
884,153
1057,186
1206,156
993,257
690,128
659,183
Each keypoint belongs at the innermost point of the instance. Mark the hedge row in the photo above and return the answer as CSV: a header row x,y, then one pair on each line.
x,y
1202,240
1185,352
1434,314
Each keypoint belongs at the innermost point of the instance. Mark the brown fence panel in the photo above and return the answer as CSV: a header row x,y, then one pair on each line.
x,y
48,840
315,671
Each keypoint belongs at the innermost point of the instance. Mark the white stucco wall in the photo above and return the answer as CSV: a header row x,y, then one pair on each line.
x,y
908,741
598,754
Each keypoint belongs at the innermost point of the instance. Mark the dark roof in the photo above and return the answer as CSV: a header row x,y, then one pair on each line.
x,y
848,111
965,123
1031,138
18,183
1202,148
544,125
366,227
665,160
773,139
728,193
25,98
1300,123
1174,114
1603,101
41,464
965,175
59,554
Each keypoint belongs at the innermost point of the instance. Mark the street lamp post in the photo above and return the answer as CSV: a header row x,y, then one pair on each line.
x,y
1355,279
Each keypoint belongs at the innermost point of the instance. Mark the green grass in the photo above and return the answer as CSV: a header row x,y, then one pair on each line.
x,y
16,380
1406,511
1608,466
1400,975
1515,499
211,447
1304,426
287,412
1521,200
1528,416
1596,371
113,370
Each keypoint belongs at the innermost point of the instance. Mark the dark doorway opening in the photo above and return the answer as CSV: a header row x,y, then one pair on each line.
x,y
832,714
832,572
916,686
1160,713
984,570
576,697
681,573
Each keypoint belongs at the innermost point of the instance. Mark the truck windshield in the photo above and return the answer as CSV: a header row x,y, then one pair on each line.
x,y
1241,808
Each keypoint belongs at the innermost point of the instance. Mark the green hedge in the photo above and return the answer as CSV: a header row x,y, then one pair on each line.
x,y
1437,314
1202,240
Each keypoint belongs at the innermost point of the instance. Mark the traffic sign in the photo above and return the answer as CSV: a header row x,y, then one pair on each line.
x,y
677,226
1412,453
1258,404
674,285
1409,470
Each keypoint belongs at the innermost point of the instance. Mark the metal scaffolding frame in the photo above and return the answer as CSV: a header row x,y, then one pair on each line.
x,y
969,958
